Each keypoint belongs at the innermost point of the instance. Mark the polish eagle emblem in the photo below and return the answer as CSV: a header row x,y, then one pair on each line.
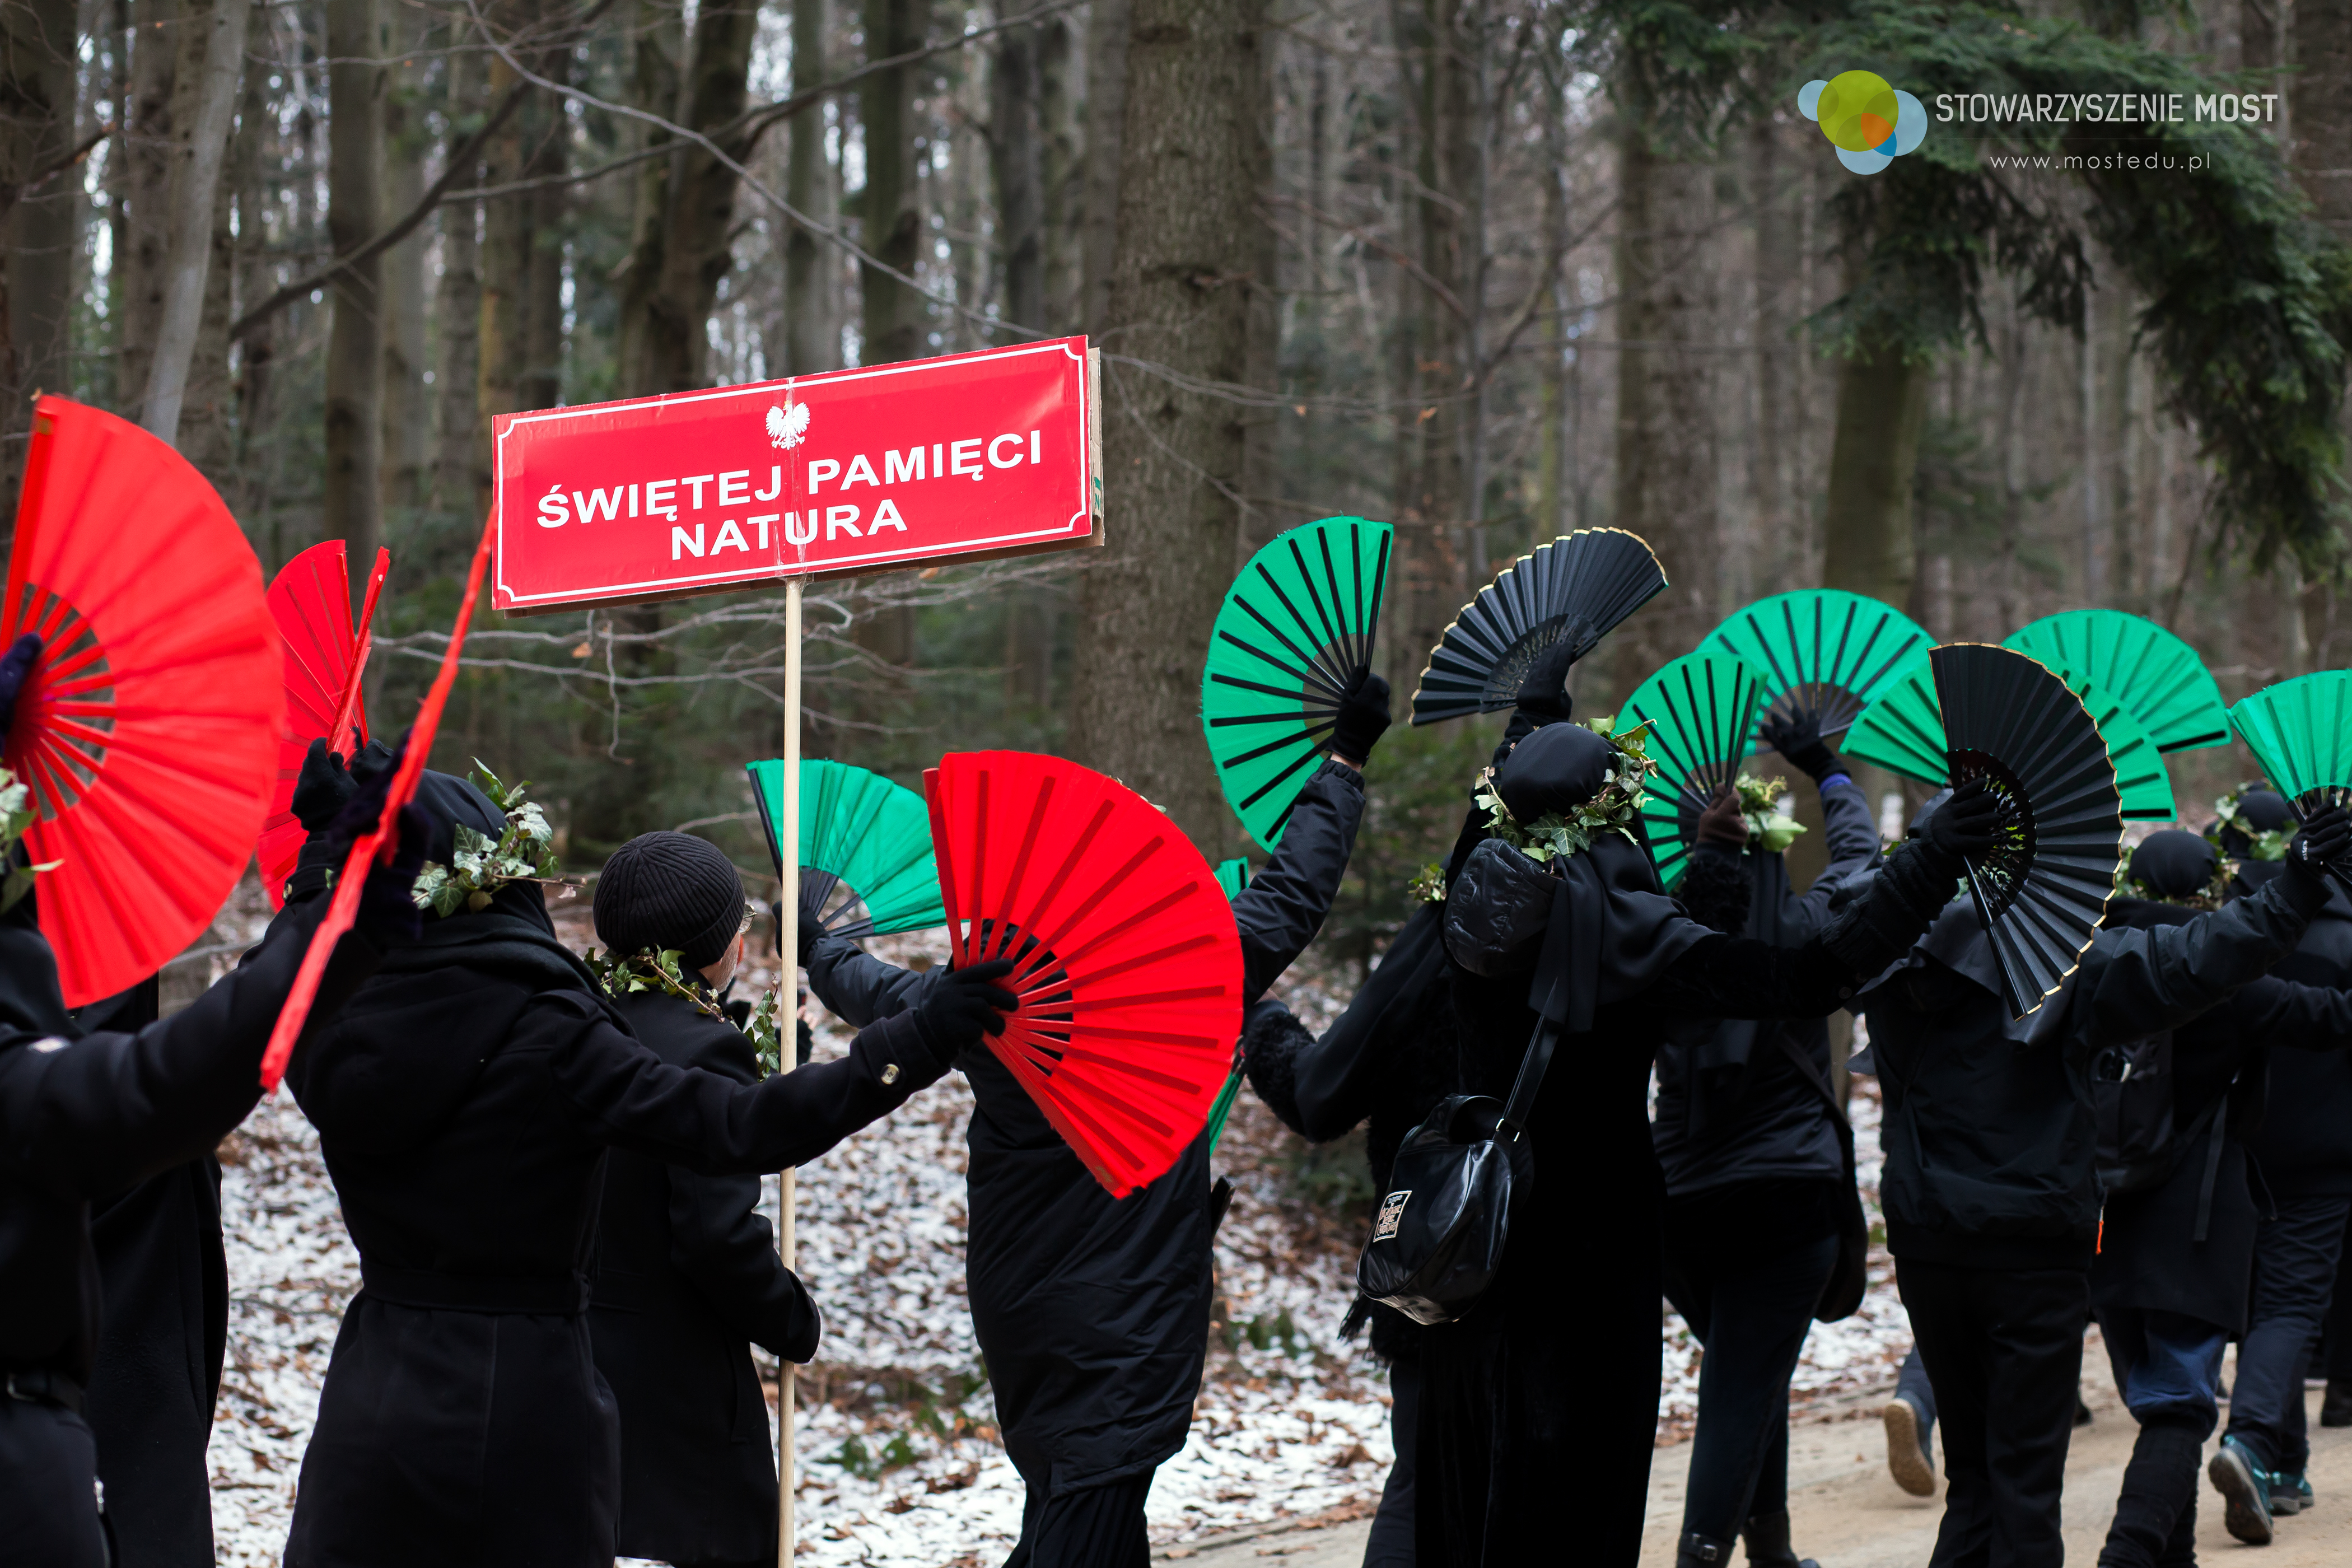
x,y
787,425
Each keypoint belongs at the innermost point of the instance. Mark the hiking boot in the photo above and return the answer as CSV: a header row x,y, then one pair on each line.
x,y
1767,1543
2245,1488
2290,1493
2335,1407
1910,1459
1700,1552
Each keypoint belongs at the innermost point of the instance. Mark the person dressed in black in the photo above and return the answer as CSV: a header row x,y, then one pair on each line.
x,y
81,1118
687,1272
1093,1312
1514,1403
164,1275
1991,1191
2171,1280
464,1100
1749,1135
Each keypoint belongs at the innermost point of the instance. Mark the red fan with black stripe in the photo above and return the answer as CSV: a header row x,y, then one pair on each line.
x,y
1126,958
310,600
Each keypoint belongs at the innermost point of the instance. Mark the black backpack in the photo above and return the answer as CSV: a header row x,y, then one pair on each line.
x,y
2131,1097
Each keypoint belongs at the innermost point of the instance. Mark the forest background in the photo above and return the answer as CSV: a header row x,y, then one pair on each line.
x,y
1489,269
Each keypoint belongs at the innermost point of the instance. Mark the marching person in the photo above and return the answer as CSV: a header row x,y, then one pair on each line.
x,y
686,1271
1756,1156
1990,1189
83,1117
463,1099
1508,1403
1093,1312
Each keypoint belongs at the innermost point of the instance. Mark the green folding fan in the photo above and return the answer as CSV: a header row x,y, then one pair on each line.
x,y
1294,634
865,861
1700,708
1821,652
2158,676
1903,730
2301,733
1233,876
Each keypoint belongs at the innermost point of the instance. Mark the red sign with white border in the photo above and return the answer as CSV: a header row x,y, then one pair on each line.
x,y
873,470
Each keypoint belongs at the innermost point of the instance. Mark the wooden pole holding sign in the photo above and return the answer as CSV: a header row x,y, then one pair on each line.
x,y
882,469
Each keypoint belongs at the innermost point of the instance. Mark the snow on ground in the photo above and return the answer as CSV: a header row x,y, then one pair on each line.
x,y
899,1465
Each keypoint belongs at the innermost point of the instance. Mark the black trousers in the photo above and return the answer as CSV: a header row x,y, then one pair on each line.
x,y
1752,1317
1390,1544
48,1489
2295,1257
2005,1350
1099,1527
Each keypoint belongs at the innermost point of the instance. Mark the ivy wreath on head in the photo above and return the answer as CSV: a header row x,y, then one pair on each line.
x,y
1555,836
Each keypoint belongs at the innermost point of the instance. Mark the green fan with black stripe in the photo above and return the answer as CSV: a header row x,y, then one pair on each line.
x,y
2156,675
1233,876
1293,638
1823,653
1700,708
2300,730
866,863
1903,731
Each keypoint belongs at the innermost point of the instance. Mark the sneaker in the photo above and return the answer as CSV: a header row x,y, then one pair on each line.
x,y
2336,1409
2245,1488
2290,1493
1910,1459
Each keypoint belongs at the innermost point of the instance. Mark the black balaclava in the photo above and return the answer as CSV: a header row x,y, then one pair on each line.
x,y
2173,865
1559,767
2265,811
670,891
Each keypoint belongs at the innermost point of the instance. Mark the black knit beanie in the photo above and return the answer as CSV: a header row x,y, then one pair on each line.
x,y
665,891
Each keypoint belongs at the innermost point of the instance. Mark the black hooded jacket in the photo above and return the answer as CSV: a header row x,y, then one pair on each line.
x,y
1093,1312
2303,1144
686,1276
464,1100
1990,1143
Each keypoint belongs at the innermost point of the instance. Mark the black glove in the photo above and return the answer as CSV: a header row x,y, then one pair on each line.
x,y
388,915
1722,822
805,934
323,788
1544,692
807,1042
15,666
1963,825
962,1007
2325,839
1363,718
1799,739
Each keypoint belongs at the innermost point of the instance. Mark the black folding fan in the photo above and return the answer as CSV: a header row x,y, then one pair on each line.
x,y
2012,721
1578,587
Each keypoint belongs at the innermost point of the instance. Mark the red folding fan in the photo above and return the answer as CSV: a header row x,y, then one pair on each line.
x,y
311,599
1126,959
148,731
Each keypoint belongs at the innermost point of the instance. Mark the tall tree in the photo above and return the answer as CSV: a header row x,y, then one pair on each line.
x,y
211,68
1108,30
38,105
457,305
407,139
353,506
1188,200
1016,160
1061,168
2319,94
148,139
812,336
896,324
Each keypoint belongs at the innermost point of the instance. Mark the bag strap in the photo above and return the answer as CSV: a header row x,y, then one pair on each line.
x,y
1522,1103
2214,1140
1809,1073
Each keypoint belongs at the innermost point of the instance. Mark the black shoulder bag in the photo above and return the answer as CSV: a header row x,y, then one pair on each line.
x,y
1842,1293
1439,1238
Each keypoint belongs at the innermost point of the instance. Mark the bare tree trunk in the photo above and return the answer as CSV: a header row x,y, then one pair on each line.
x,y
1186,233
1778,263
458,308
216,44
1015,159
1882,407
2319,95
407,399
895,325
38,83
812,336
539,379
1106,42
355,484
1666,431
1553,454
147,184
257,351
1061,168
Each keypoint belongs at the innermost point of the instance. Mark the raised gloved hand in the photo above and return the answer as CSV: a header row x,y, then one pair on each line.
x,y
1963,825
1798,738
805,934
323,788
15,668
965,1005
387,915
1723,822
1362,719
2325,840
1544,692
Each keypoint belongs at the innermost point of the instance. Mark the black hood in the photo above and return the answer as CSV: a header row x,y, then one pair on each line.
x,y
1558,768
31,1007
2174,864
